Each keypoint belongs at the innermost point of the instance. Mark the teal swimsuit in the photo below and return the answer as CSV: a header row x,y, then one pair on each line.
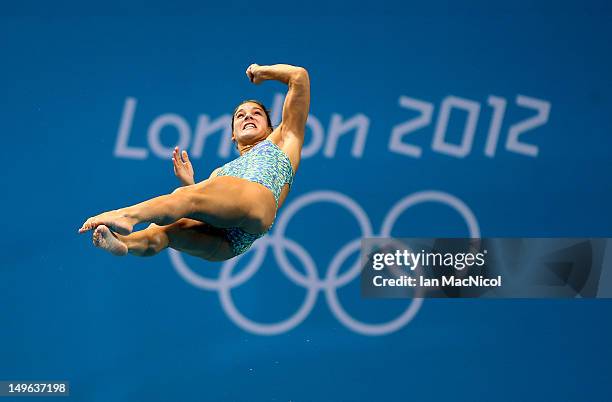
x,y
267,165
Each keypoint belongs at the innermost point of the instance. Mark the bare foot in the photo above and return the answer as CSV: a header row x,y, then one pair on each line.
x,y
117,221
105,239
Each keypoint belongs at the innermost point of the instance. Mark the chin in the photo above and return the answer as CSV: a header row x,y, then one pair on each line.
x,y
249,138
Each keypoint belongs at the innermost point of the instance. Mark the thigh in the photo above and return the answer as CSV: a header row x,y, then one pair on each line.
x,y
237,202
198,239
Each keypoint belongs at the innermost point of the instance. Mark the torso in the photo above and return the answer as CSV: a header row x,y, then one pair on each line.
x,y
293,151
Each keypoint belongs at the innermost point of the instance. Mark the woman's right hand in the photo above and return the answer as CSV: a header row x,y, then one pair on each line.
x,y
183,169
254,72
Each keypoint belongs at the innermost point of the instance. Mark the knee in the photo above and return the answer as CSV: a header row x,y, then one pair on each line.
x,y
260,211
260,218
180,190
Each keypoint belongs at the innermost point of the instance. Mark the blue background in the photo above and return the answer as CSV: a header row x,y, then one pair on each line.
x,y
134,329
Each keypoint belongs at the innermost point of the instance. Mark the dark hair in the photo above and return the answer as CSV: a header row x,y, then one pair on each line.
x,y
258,103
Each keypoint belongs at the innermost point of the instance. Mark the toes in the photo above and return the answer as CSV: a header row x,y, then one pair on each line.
x,y
84,226
97,221
97,237
88,225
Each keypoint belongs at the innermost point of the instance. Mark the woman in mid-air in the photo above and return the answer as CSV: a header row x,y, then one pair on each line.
x,y
219,218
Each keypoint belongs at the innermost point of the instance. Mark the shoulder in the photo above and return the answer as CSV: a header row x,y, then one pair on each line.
x,y
215,172
277,135
282,133
291,145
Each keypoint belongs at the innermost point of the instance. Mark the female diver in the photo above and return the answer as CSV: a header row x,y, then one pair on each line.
x,y
219,218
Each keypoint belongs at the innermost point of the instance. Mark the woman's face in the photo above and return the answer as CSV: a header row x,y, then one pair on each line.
x,y
250,123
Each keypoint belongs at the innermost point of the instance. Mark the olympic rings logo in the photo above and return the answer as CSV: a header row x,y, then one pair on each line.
x,y
311,280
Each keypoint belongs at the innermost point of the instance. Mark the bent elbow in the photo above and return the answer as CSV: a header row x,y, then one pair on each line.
x,y
300,76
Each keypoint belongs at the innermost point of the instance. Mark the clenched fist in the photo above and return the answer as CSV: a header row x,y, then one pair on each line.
x,y
254,72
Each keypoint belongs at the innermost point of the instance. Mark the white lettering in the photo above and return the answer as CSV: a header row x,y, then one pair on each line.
x,y
125,126
359,122
439,144
543,108
316,129
205,128
402,130
153,135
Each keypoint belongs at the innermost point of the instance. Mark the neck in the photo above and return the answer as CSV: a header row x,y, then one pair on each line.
x,y
242,149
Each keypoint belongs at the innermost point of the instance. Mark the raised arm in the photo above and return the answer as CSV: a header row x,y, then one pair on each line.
x,y
297,101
